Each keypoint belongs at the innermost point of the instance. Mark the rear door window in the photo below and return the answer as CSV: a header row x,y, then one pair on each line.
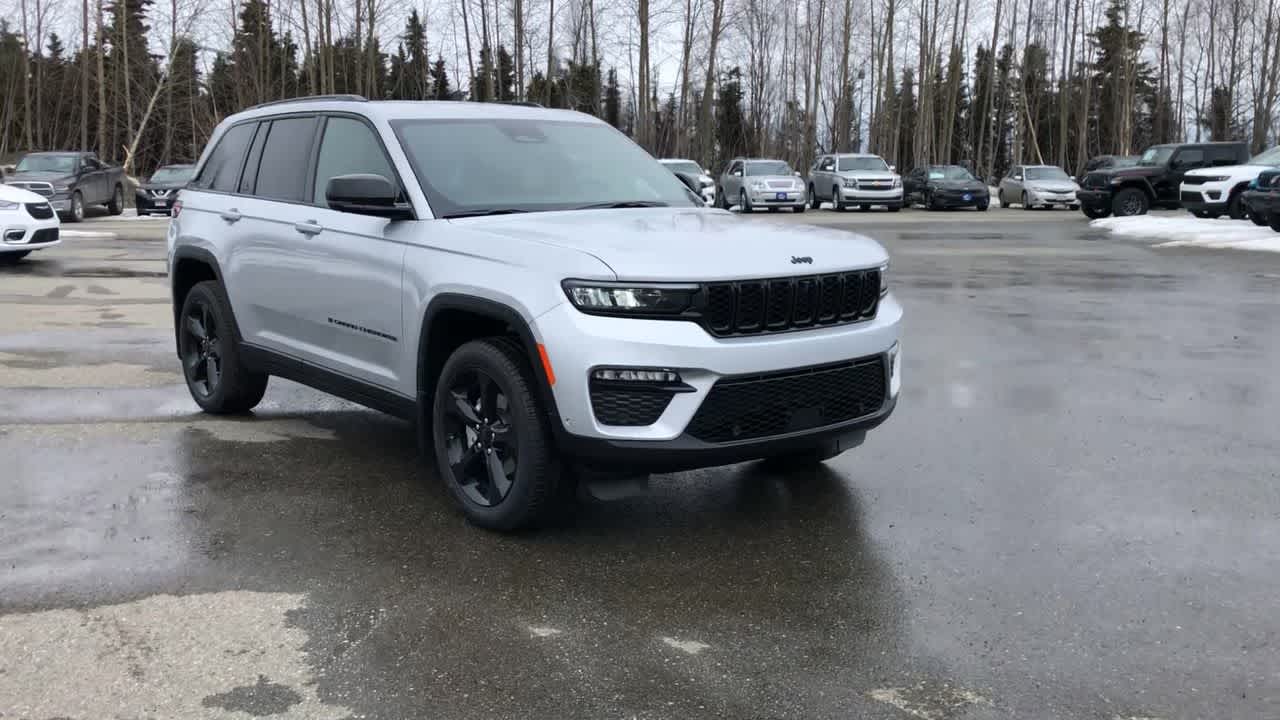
x,y
286,159
222,171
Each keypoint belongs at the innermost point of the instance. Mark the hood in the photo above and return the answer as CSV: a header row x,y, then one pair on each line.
x,y
39,177
8,193
1229,170
688,244
1135,171
162,186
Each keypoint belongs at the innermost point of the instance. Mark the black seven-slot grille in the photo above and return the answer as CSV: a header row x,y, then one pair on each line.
x,y
40,211
749,307
760,406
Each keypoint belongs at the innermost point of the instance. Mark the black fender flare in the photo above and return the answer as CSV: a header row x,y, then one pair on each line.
x,y
500,312
188,252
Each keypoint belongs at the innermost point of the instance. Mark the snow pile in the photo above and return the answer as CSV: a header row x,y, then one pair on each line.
x,y
1194,232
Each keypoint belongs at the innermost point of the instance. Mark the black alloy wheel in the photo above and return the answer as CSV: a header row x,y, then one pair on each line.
x,y
480,438
202,349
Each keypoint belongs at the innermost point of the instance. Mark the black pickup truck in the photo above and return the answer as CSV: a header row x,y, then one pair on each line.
x,y
71,181
1154,180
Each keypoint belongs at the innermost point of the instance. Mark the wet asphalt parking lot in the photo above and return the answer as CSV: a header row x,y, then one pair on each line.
x,y
1073,513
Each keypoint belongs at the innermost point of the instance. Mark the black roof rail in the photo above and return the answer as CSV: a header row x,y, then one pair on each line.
x,y
312,98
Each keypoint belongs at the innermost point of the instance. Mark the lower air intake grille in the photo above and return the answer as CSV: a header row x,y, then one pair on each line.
x,y
761,406
628,407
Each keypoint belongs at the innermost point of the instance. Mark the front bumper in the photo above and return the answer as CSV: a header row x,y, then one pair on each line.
x,y
1210,197
1264,204
956,199
1095,199
577,344
777,198
20,233
147,204
890,198
1051,198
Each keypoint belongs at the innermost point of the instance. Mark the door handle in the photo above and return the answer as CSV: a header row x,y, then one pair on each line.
x,y
309,227
231,216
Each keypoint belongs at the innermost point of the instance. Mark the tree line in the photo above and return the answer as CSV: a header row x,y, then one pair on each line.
x,y
985,83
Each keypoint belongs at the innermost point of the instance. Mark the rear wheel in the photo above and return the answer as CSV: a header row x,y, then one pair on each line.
x,y
1129,202
76,214
115,206
208,345
12,258
1095,213
492,439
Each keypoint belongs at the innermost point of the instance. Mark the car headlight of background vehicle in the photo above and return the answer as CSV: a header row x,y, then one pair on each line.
x,y
1215,178
851,182
897,182
8,206
629,299
758,185
884,279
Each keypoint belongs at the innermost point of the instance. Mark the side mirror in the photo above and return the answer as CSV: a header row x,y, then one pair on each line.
x,y
1018,178
893,168
796,173
690,181
366,195
736,173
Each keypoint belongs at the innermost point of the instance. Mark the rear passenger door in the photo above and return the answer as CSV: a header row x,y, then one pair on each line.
x,y
327,284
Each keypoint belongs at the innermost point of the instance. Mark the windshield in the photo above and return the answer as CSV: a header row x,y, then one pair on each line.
x,y
862,163
1270,157
684,166
1047,173
768,167
173,176
47,163
478,165
1156,156
949,172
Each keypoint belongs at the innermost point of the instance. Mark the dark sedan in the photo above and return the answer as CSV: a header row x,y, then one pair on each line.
x,y
945,186
1262,199
157,194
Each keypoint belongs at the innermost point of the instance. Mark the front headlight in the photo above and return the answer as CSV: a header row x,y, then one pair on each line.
x,y
897,182
629,299
884,279
758,185
1215,178
851,182
8,206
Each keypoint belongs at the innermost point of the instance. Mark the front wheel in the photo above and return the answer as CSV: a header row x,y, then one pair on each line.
x,y
1095,213
744,204
209,347
814,202
1235,207
1257,218
77,208
1026,204
983,205
1130,202
116,205
895,208
797,208
492,439
1274,221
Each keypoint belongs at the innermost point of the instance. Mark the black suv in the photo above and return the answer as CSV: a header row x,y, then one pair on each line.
x,y
1154,180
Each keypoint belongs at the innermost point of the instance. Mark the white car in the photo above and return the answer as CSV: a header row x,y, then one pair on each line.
x,y
1044,185
1215,191
28,223
689,167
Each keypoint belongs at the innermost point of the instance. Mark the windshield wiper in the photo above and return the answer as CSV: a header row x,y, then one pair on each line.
x,y
484,211
622,204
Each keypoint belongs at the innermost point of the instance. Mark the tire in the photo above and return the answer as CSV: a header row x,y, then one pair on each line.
x,y
76,214
1095,213
1206,214
215,373
798,209
116,205
744,203
1026,205
1130,202
1000,197
800,459
723,201
469,426
927,201
1257,218
983,205
1073,207
835,200
1235,206
814,202
12,258
895,208
1274,221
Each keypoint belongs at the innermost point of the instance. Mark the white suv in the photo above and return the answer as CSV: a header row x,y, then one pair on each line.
x,y
1215,191
529,287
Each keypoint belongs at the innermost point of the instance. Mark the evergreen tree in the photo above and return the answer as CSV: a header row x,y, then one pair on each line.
x,y
440,89
484,73
416,64
731,123
613,100
505,85
1117,70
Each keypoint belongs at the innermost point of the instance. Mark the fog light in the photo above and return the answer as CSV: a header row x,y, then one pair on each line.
x,y
636,375
14,235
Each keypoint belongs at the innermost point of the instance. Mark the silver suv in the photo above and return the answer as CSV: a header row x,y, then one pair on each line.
x,y
412,257
852,180
750,183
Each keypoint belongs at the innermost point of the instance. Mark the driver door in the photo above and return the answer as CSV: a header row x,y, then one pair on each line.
x,y
1182,161
731,185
